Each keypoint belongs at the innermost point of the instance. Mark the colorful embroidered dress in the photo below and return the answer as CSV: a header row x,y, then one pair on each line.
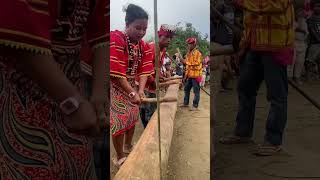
x,y
126,61
34,142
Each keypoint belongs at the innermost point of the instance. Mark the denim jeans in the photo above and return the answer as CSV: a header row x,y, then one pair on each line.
x,y
192,83
257,67
147,110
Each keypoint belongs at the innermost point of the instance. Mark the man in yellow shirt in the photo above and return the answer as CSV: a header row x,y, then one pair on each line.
x,y
193,73
268,40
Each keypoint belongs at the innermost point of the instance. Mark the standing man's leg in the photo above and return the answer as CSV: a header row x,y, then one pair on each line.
x,y
251,76
143,116
187,89
277,90
196,91
151,107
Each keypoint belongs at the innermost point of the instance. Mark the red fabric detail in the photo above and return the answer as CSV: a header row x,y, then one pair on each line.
x,y
199,79
99,24
191,40
86,52
151,82
284,57
20,16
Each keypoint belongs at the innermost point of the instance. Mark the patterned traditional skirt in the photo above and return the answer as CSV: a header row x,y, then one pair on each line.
x,y
123,114
34,143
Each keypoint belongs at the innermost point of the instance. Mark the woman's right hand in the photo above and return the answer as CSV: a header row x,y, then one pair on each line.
x,y
84,120
136,99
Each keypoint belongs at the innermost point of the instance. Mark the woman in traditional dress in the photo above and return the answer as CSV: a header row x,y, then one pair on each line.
x,y
43,114
130,57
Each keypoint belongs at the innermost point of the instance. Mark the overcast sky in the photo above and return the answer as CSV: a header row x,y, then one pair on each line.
x,y
169,12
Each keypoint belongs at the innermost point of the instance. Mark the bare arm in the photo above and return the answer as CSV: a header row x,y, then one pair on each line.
x,y
46,72
124,84
142,83
100,74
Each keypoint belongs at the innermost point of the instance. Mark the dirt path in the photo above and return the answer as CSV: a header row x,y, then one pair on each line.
x,y
190,149
301,156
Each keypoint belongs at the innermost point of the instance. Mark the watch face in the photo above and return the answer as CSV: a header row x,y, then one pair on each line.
x,y
69,105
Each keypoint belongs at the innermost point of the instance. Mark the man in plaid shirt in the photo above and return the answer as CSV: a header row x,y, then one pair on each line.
x,y
268,42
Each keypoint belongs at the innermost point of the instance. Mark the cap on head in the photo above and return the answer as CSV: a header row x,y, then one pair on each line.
x,y
167,30
191,40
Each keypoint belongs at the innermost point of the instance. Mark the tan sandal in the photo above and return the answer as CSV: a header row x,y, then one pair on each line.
x,y
235,140
118,163
267,150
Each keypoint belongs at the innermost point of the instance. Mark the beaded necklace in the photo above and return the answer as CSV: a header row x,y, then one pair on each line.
x,y
135,56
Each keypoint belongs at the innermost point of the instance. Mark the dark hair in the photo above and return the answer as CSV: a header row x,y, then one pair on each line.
x,y
134,12
174,56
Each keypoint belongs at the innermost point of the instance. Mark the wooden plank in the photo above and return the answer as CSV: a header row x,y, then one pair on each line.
x,y
216,50
143,161
162,100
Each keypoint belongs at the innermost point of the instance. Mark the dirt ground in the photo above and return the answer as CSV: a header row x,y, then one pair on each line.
x,y
300,158
189,157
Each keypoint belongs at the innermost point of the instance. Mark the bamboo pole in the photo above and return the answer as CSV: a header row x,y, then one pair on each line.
x,y
167,83
158,66
162,100
304,94
172,78
223,50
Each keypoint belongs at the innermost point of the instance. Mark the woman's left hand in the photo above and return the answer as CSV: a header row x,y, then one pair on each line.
x,y
141,94
99,105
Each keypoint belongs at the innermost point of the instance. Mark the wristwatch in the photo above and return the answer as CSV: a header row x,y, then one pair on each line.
x,y
70,105
132,94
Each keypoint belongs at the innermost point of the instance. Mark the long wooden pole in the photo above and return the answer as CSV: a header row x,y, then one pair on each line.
x,y
304,94
157,60
155,100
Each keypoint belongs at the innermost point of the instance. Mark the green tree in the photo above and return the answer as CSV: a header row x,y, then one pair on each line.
x,y
182,34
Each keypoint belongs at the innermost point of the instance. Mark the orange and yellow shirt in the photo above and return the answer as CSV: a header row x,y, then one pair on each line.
x,y
268,24
194,64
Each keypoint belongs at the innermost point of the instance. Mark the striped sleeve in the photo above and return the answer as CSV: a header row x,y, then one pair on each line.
x,y
99,25
118,61
146,68
26,25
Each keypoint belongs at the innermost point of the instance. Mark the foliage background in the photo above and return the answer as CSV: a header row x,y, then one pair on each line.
x,y
182,34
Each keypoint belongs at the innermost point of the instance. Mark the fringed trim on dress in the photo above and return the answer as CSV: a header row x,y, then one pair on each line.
x,y
24,46
103,44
